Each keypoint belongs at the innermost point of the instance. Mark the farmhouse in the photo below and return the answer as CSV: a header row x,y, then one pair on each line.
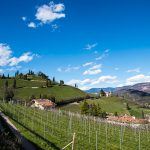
x,y
108,94
43,104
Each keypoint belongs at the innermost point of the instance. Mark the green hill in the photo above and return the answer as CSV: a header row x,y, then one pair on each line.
x,y
110,105
25,89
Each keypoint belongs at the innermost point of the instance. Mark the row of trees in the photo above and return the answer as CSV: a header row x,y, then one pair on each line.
x,y
93,110
4,77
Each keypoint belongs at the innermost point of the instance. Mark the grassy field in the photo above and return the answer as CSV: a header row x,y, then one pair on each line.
x,y
52,130
25,89
60,93
110,105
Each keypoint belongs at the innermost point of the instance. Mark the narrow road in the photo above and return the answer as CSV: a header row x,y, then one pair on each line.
x,y
25,143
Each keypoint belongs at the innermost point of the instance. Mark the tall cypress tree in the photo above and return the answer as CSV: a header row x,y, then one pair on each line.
x,y
14,84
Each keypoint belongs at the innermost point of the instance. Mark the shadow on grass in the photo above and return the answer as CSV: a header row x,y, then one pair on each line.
x,y
52,145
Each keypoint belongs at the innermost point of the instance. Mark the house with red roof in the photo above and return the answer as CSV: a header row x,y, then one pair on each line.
x,y
43,104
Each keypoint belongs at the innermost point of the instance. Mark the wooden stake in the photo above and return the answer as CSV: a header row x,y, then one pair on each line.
x,y
73,141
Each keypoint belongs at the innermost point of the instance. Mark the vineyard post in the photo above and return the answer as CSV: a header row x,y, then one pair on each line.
x,y
73,141
106,137
32,123
96,140
85,126
147,132
44,130
139,140
47,116
89,131
121,137
135,134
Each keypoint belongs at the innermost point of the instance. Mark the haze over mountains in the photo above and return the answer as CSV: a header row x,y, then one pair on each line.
x,y
139,92
144,87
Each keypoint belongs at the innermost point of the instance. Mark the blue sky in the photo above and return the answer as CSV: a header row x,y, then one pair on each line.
x,y
94,43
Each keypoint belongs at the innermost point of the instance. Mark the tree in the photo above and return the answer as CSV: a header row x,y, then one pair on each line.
x,y
8,76
115,114
84,108
75,85
14,84
8,94
6,84
54,80
3,76
40,96
102,93
127,106
99,110
47,83
143,116
25,77
17,73
44,96
52,98
42,75
50,82
20,75
61,82
104,114
94,110
32,97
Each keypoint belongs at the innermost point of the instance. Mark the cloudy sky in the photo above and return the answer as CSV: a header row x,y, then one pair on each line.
x,y
94,43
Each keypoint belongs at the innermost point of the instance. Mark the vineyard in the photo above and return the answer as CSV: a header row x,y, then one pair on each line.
x,y
54,130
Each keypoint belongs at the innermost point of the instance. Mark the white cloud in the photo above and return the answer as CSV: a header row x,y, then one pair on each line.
x,y
136,70
84,88
24,18
102,81
32,25
80,82
49,13
137,79
105,80
93,70
5,54
105,53
68,69
90,46
87,64
6,58
26,57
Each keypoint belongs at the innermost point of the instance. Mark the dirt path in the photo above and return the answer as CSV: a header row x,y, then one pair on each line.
x,y
25,143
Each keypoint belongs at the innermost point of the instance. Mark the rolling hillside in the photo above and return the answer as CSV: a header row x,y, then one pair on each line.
x,y
26,89
110,105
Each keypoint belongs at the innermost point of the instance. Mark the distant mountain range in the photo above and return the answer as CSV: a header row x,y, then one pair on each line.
x,y
144,87
139,92
96,90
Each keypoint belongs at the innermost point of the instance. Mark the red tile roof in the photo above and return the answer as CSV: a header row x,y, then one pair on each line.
x,y
44,102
